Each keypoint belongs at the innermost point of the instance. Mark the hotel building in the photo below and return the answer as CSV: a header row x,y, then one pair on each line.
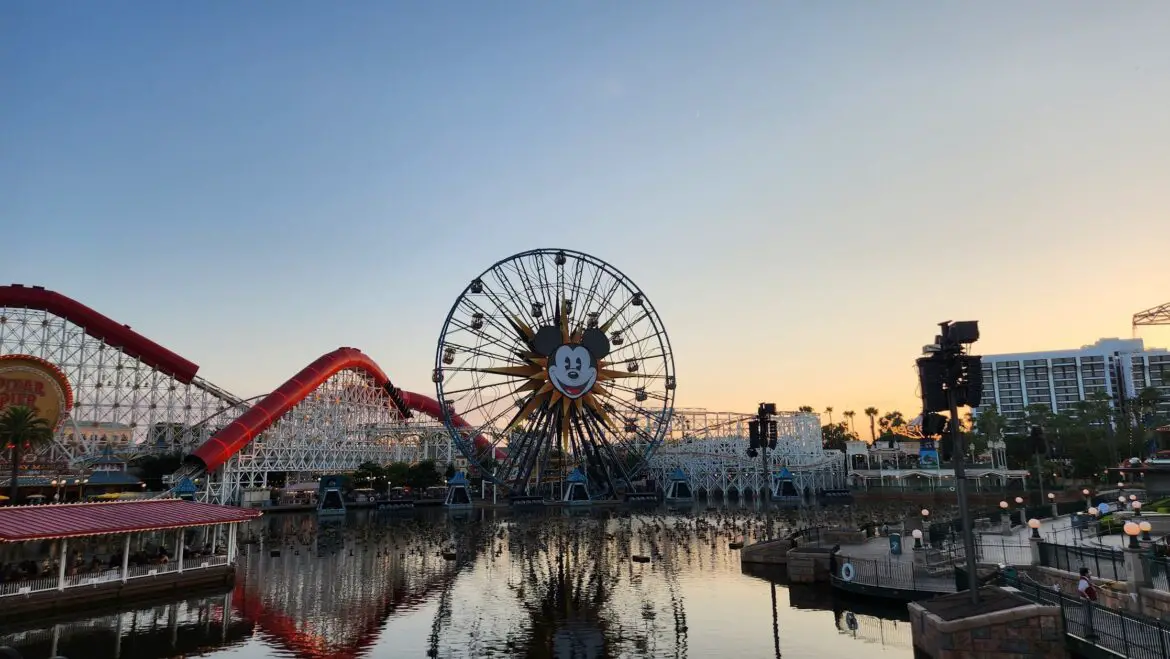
x,y
1118,368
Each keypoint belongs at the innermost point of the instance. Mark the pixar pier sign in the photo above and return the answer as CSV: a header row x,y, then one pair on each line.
x,y
37,384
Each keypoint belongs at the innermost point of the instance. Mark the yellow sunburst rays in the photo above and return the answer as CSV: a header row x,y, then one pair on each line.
x,y
534,378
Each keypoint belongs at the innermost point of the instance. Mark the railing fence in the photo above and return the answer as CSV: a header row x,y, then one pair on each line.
x,y
1125,634
42,584
1102,562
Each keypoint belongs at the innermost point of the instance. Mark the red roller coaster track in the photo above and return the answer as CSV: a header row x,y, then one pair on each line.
x,y
227,442
101,328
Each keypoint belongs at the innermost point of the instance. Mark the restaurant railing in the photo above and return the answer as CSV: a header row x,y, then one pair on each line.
x,y
84,579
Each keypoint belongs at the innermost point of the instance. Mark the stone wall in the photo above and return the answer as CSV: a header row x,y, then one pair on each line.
x,y
832,537
1030,630
1110,594
773,552
1155,603
808,567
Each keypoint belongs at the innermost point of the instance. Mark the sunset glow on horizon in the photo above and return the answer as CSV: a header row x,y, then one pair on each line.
x,y
803,192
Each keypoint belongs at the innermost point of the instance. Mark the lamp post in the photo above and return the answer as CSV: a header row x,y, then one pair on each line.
x,y
1088,497
1052,502
1137,508
1005,518
1145,528
917,538
1020,503
1132,530
1034,524
926,523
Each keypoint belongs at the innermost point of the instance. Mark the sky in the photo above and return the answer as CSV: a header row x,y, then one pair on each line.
x,y
803,190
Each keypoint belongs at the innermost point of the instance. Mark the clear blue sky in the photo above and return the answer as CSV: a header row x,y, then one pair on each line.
x,y
254,184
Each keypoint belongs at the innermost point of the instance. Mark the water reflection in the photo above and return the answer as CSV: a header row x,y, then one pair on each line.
x,y
548,584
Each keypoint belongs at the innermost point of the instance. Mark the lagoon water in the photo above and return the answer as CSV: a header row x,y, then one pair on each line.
x,y
541,584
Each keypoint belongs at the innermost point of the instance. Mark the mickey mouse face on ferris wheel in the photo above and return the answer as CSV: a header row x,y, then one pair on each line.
x,y
572,367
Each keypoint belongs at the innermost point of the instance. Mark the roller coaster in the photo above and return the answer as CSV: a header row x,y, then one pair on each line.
x,y
139,398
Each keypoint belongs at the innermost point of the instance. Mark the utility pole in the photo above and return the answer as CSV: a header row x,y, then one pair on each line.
x,y
949,378
762,434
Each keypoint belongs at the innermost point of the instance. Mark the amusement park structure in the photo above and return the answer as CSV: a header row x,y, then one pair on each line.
x,y
1159,315
137,398
711,449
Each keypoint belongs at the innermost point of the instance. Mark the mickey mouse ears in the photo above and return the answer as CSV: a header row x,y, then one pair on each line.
x,y
548,339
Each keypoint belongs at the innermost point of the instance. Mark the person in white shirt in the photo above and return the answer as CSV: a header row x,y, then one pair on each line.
x,y
1085,586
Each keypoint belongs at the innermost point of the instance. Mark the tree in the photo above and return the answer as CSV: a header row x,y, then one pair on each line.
x,y
806,409
422,475
829,411
849,414
835,435
372,475
21,429
892,423
872,413
397,474
151,468
988,427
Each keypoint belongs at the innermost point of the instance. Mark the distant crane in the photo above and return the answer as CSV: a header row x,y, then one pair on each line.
x,y
1159,315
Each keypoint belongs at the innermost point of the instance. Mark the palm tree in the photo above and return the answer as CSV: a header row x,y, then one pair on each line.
x,y
829,411
807,409
872,413
849,414
21,428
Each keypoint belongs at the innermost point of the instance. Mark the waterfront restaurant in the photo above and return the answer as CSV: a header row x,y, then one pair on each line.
x,y
82,554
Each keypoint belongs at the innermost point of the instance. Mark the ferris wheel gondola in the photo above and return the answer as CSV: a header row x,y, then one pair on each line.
x,y
551,361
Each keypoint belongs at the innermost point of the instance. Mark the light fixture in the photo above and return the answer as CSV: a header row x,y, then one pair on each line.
x,y
1132,530
1034,524
917,539
1085,491
1137,508
1019,501
1146,527
1121,500
925,513
1133,497
1094,512
1051,496
1003,505
1121,485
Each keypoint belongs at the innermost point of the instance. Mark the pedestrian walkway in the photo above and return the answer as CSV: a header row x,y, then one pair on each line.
x,y
1100,631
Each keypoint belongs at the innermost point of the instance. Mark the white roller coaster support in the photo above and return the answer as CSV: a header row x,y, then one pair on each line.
x,y
711,449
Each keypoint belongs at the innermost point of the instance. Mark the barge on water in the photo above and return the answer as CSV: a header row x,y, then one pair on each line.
x,y
77,556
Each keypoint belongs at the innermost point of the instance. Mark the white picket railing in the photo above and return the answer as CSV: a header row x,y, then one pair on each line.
x,y
42,584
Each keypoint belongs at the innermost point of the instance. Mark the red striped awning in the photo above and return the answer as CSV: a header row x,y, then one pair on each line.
x,y
24,523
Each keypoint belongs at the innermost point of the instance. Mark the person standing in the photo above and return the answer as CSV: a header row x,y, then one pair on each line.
x,y
1088,594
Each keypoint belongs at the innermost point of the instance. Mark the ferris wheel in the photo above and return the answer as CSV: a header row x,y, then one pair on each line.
x,y
553,361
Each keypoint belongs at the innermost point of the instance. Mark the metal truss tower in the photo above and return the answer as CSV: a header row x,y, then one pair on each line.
x,y
1159,315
